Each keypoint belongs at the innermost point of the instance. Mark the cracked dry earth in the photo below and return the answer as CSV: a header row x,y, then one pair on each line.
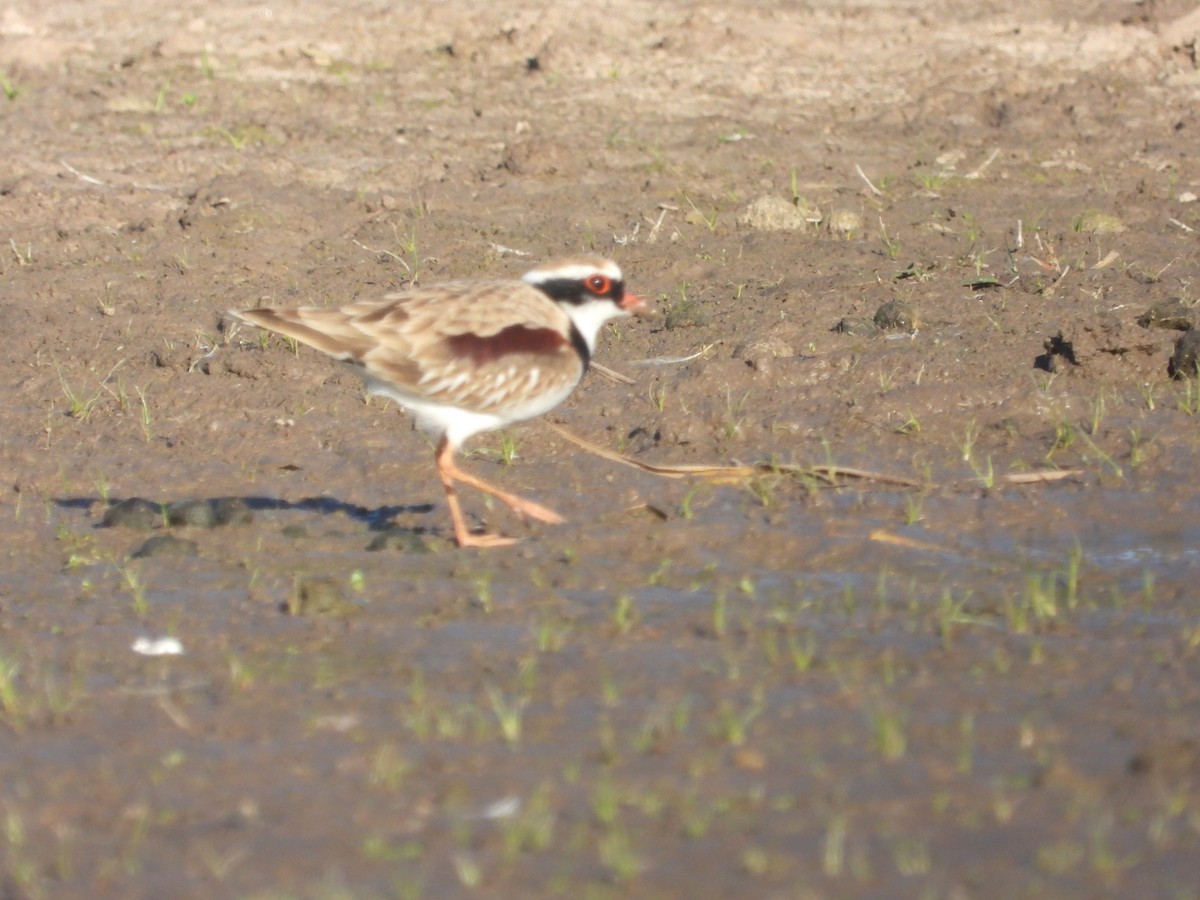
x,y
951,247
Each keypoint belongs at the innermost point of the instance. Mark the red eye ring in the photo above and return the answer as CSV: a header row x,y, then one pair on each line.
x,y
599,285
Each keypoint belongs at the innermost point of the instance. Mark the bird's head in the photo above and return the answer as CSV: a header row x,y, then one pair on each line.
x,y
591,290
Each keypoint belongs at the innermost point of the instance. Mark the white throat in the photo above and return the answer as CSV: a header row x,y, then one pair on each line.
x,y
589,317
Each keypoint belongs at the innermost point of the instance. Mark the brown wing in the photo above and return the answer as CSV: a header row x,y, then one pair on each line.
x,y
476,345
328,330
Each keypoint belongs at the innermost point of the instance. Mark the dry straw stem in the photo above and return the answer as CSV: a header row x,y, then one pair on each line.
x,y
674,360
610,374
863,175
977,173
1040,476
883,536
829,473
735,473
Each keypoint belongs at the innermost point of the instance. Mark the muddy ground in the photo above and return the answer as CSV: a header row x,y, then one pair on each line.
x,y
971,674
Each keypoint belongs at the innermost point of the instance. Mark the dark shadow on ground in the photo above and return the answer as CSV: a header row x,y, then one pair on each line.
x,y
377,519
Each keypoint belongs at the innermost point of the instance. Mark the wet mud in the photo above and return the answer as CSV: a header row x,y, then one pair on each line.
x,y
949,252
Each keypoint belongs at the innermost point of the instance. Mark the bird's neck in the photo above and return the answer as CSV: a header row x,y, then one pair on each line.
x,y
581,345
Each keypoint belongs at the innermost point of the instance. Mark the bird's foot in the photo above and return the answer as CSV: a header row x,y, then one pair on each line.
x,y
531,510
485,540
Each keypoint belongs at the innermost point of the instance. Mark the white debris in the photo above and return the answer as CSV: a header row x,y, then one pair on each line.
x,y
163,646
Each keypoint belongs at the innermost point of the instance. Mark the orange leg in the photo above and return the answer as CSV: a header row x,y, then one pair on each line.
x,y
449,472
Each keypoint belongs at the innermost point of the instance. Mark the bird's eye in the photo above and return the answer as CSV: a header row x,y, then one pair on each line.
x,y
599,285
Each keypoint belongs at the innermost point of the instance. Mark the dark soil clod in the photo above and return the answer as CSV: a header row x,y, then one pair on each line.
x,y
136,512
166,545
1185,361
404,540
232,511
1172,313
856,327
894,315
197,513
319,597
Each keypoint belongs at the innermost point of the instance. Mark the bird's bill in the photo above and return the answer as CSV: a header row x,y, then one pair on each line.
x,y
635,305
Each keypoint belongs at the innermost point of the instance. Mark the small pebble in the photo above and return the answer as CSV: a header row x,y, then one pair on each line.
x,y
760,352
749,759
771,213
686,314
1095,222
845,221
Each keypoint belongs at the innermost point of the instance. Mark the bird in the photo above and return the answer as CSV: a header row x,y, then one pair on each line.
x,y
466,357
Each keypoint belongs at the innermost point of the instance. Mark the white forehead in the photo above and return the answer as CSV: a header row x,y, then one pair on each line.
x,y
574,270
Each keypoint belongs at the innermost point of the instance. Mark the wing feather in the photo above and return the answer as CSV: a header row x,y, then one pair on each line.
x,y
477,345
